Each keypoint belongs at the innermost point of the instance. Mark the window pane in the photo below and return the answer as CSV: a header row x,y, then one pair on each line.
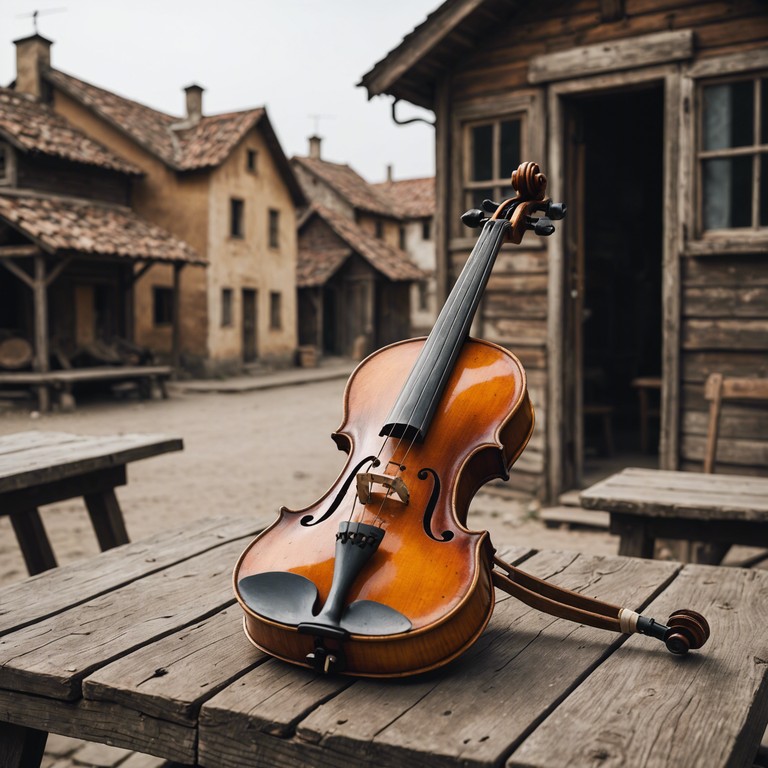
x,y
475,197
728,115
482,153
764,111
510,148
728,193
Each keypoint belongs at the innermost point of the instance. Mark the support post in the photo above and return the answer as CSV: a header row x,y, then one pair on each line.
x,y
40,293
176,343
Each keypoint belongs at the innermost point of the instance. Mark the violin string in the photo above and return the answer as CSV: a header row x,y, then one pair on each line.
x,y
461,291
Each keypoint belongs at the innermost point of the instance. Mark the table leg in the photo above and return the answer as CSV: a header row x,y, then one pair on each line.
x,y
21,747
33,540
107,518
635,538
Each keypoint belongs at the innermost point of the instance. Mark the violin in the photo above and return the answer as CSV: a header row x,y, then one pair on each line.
x,y
381,577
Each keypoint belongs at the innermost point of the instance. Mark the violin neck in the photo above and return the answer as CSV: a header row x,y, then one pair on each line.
x,y
413,410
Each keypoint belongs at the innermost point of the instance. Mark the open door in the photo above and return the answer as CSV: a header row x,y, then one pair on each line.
x,y
613,282
250,350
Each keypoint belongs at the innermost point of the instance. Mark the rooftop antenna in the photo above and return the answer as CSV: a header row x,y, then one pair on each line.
x,y
317,119
37,13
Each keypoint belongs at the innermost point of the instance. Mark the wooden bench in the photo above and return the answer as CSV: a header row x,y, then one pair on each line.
x,y
142,647
38,468
149,378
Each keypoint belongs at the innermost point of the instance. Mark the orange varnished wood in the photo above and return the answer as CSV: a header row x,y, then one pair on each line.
x,y
481,425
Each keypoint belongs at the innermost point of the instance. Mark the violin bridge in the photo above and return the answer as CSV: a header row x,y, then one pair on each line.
x,y
366,481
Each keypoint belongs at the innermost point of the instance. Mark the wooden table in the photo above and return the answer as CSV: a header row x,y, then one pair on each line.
x,y
38,468
142,647
650,504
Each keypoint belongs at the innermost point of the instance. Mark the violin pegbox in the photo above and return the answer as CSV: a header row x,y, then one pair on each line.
x,y
531,185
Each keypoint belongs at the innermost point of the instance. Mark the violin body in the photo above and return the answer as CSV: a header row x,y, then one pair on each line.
x,y
428,567
382,577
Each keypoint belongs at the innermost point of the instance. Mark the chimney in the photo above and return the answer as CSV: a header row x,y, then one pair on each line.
x,y
194,94
314,147
33,57
390,173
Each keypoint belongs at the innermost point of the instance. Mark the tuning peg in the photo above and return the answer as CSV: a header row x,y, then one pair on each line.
x,y
556,211
473,218
490,206
543,227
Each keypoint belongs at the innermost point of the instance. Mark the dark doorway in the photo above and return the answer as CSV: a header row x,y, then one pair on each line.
x,y
250,350
615,280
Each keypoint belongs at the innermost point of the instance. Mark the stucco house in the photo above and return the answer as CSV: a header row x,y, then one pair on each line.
x,y
222,184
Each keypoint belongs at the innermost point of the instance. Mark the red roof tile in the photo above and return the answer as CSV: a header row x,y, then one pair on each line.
x,y
391,262
410,198
316,267
34,127
181,146
62,225
349,184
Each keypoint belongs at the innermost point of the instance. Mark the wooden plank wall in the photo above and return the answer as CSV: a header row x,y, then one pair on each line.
x,y
724,328
515,309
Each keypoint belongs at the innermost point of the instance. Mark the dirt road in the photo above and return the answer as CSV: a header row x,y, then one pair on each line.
x,y
244,453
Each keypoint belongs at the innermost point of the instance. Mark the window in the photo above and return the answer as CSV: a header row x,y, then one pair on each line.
x,y
492,152
426,229
401,234
236,209
379,229
274,228
275,311
226,307
5,164
733,154
252,160
162,301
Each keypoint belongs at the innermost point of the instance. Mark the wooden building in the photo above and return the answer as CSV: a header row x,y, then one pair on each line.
x,y
650,119
353,287
222,184
397,214
72,252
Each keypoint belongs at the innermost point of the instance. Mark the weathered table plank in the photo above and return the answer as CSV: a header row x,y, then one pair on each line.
x,y
626,713
171,678
53,592
51,456
52,656
445,724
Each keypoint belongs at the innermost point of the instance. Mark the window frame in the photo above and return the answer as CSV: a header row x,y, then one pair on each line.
x,y
167,303
273,228
237,218
275,311
252,161
227,308
696,241
8,177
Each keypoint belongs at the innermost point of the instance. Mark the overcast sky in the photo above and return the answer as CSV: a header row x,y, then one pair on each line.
x,y
298,58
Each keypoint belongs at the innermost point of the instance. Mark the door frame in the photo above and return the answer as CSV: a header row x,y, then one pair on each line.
x,y
558,94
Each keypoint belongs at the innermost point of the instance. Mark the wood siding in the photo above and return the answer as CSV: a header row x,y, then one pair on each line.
x,y
723,323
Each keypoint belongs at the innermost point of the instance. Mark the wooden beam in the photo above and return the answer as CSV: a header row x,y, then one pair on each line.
x,y
18,250
58,269
139,273
40,292
19,272
632,53
176,343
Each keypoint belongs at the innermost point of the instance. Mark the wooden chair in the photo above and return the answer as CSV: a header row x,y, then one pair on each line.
x,y
719,388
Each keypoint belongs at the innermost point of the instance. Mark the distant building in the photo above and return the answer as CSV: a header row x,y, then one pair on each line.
x,y
222,184
366,259
72,253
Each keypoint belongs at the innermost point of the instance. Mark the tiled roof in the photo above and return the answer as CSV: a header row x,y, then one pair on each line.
x,y
349,184
34,127
184,148
410,198
316,267
63,225
391,262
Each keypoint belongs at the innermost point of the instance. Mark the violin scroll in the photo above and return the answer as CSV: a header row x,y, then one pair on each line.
x,y
531,185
